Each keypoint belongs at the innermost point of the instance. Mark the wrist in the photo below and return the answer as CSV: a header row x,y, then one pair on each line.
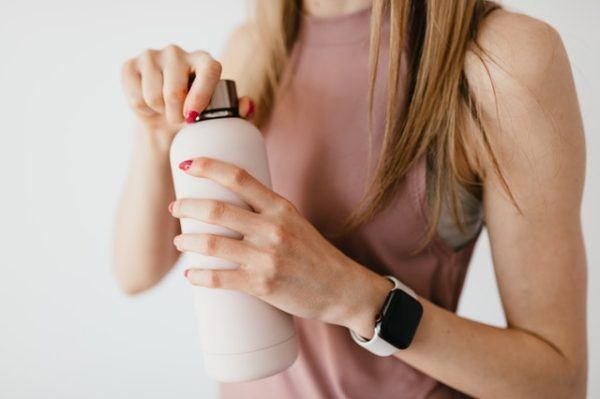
x,y
156,140
149,156
368,300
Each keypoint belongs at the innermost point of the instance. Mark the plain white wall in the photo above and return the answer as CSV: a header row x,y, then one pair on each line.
x,y
65,329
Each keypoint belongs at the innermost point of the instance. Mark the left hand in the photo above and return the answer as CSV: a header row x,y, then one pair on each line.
x,y
283,259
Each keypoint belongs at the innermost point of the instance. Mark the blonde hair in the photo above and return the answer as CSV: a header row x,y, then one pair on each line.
x,y
439,102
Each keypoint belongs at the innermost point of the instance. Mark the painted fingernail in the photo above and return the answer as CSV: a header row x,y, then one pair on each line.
x,y
192,116
185,165
171,206
250,109
186,272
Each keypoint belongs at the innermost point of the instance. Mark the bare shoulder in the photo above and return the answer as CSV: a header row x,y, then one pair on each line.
x,y
515,47
519,73
238,56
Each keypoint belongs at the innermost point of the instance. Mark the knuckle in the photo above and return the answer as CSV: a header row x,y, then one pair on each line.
x,y
264,284
155,99
175,94
210,244
128,66
214,279
213,68
240,177
271,262
200,55
138,104
271,273
147,56
216,210
278,233
203,163
286,207
172,50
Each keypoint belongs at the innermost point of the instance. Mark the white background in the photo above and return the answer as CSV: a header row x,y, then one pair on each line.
x,y
65,329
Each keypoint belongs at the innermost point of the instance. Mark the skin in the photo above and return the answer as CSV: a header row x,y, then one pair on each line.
x,y
538,252
156,86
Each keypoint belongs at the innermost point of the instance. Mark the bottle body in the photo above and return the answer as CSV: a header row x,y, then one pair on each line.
x,y
242,337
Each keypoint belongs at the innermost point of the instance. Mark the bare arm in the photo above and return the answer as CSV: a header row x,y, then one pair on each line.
x,y
538,254
156,82
143,250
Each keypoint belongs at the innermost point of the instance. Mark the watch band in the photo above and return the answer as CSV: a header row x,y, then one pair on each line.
x,y
378,345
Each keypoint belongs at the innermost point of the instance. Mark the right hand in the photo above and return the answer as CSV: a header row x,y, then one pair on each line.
x,y
156,84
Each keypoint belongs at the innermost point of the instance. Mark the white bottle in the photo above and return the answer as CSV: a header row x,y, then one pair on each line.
x,y
242,337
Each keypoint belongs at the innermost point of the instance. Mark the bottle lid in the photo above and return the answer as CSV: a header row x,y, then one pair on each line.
x,y
224,100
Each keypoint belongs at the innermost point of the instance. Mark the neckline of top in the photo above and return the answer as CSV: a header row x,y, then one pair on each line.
x,y
335,30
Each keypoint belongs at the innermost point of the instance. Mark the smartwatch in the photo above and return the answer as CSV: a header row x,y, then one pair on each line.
x,y
396,323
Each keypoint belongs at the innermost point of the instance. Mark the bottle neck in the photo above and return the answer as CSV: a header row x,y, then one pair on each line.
x,y
219,113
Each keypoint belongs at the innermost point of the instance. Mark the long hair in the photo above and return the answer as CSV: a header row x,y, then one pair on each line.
x,y
439,102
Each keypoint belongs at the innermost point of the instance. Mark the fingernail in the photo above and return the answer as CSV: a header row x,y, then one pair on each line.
x,y
185,165
186,272
171,206
250,109
192,116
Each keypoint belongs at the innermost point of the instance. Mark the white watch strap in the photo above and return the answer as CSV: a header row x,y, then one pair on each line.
x,y
378,345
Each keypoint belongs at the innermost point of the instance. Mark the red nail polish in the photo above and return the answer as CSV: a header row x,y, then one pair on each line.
x,y
185,165
171,206
250,109
192,116
186,272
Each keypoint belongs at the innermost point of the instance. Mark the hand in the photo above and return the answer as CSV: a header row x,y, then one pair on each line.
x,y
156,84
283,259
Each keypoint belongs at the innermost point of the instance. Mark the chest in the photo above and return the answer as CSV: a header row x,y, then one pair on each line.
x,y
318,146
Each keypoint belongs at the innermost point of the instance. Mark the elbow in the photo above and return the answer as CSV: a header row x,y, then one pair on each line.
x,y
131,288
573,381
566,381
569,380
134,275
131,282
565,376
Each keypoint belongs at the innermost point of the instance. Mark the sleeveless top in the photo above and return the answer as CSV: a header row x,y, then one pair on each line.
x,y
316,140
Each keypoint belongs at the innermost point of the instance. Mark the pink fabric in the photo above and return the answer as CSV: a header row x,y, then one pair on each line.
x,y
317,144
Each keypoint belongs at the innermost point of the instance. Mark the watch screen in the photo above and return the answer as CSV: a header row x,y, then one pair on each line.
x,y
400,319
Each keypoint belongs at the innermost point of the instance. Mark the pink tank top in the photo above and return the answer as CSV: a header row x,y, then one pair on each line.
x,y
317,145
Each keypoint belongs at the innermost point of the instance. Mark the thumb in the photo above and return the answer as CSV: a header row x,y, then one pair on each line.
x,y
246,107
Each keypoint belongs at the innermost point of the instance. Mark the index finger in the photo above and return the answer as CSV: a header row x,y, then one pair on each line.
x,y
258,196
207,72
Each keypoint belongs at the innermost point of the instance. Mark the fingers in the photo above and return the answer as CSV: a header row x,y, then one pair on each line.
x,y
219,213
175,83
152,81
132,85
157,82
236,279
207,74
246,107
232,249
238,180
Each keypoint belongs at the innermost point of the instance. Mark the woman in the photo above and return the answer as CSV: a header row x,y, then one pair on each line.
x,y
395,129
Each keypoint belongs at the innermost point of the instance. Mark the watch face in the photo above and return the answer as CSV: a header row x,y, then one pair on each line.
x,y
400,319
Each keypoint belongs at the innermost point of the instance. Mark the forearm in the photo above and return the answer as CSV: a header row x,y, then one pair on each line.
x,y
144,231
478,359
284,257
486,361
